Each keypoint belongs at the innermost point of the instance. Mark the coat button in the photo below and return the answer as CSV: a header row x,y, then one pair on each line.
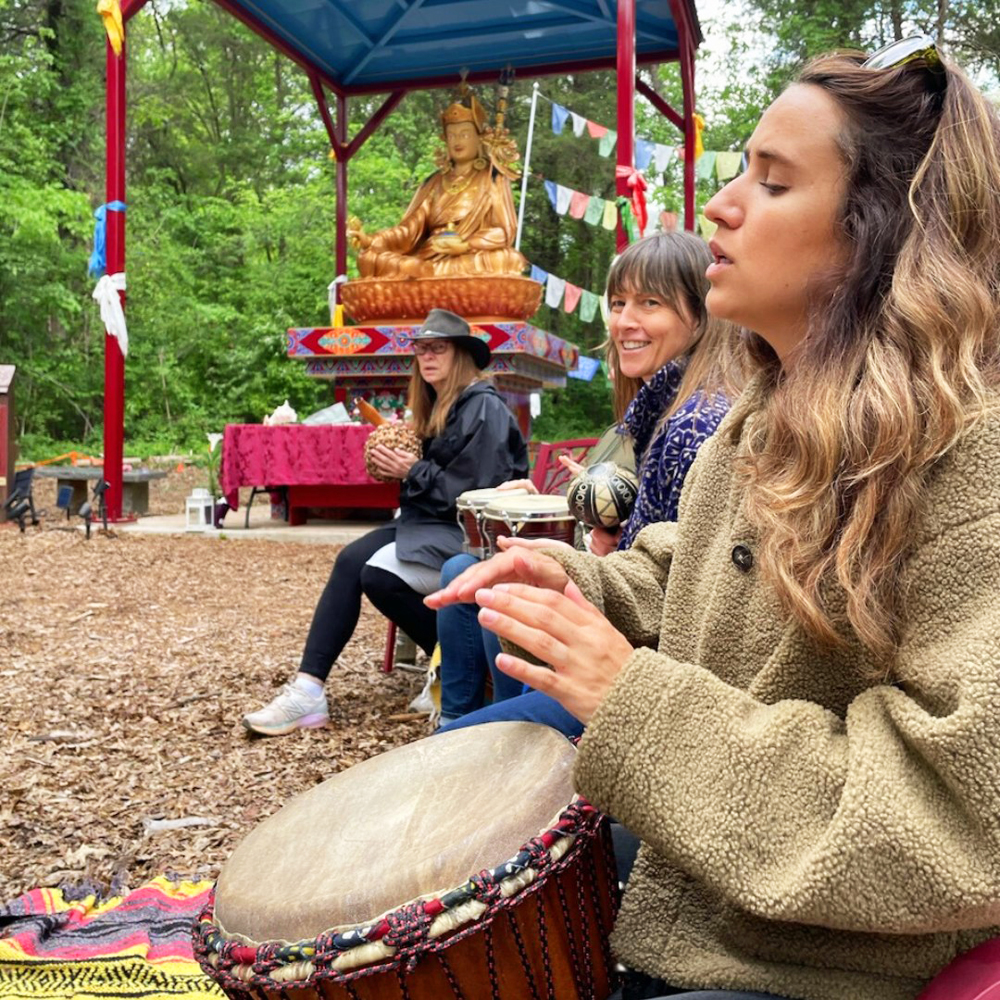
x,y
742,558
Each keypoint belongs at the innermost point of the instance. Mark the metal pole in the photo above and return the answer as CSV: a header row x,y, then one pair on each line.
x,y
114,360
626,101
527,164
341,127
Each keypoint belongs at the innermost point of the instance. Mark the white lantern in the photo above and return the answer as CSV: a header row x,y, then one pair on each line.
x,y
199,509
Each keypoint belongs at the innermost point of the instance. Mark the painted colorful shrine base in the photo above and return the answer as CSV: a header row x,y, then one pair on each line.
x,y
376,360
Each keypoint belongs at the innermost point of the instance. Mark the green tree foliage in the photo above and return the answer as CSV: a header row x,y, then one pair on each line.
x,y
232,201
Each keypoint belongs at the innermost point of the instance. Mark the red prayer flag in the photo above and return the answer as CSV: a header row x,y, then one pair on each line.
x,y
578,204
572,296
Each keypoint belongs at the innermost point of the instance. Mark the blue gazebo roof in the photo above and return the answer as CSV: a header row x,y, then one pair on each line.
x,y
364,46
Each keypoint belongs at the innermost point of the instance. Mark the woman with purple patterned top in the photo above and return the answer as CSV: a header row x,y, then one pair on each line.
x,y
672,380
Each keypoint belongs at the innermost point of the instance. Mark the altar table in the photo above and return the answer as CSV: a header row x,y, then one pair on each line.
x,y
319,466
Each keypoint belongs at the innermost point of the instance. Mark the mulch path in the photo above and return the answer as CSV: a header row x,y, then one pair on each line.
x,y
126,663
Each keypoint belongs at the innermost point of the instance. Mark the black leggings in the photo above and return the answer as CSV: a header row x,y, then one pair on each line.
x,y
339,608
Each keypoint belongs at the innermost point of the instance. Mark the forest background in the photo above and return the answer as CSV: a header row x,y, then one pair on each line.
x,y
231,198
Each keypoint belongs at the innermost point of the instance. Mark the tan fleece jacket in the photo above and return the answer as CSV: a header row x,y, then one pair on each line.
x,y
806,831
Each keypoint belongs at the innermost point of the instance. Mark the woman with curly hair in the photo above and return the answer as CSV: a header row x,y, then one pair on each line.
x,y
792,696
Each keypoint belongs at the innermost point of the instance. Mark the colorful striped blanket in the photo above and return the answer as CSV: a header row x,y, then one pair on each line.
x,y
59,945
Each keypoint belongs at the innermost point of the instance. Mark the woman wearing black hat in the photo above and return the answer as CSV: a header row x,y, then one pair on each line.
x,y
470,441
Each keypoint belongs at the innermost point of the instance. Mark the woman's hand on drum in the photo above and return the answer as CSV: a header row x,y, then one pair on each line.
x,y
519,565
505,542
519,484
564,630
394,462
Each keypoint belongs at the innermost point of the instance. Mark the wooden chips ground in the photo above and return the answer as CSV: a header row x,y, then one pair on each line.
x,y
126,663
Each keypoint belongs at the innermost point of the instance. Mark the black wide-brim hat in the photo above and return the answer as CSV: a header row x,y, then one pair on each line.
x,y
442,324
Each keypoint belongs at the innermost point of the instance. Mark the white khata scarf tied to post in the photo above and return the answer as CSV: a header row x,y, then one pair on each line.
x,y
112,315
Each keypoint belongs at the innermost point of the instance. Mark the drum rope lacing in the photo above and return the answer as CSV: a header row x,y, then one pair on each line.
x,y
407,928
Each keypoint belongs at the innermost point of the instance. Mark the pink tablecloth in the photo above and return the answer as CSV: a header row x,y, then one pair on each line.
x,y
293,455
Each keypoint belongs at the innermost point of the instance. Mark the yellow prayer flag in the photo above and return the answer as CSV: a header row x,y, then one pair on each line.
x,y
610,218
111,12
699,127
727,165
706,227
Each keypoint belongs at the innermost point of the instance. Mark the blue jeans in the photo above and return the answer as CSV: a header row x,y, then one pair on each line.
x,y
530,707
468,651
641,988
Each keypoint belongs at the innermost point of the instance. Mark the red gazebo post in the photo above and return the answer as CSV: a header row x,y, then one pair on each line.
x,y
685,45
342,160
114,360
626,103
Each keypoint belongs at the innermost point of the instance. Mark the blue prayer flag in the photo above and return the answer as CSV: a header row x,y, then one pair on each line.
x,y
586,368
644,150
559,116
98,263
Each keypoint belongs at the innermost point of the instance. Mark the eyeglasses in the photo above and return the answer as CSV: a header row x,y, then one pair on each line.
x,y
430,347
904,51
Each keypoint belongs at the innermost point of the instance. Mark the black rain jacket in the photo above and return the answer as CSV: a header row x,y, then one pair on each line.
x,y
480,446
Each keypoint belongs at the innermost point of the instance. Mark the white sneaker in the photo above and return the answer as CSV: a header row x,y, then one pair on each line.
x,y
292,709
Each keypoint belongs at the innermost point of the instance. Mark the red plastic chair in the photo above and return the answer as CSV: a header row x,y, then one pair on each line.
x,y
972,976
549,474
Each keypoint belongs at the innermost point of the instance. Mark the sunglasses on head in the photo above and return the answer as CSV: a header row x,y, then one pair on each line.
x,y
904,51
891,56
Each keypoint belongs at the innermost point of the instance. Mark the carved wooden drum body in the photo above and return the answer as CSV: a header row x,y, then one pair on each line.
x,y
542,516
471,505
462,865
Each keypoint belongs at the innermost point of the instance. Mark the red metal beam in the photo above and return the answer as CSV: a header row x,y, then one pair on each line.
x,y
658,102
130,7
626,102
685,38
324,112
259,28
114,360
373,123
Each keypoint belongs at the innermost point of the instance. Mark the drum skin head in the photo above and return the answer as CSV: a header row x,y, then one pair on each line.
x,y
419,819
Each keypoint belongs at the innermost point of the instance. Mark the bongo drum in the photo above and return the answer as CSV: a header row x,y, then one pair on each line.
x,y
470,506
461,865
528,517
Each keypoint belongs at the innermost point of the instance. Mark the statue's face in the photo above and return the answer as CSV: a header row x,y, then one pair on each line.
x,y
463,142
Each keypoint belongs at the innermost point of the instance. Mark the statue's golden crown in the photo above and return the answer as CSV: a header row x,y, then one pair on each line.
x,y
473,112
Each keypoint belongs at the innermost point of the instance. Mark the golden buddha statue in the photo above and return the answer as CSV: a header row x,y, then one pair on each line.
x,y
461,221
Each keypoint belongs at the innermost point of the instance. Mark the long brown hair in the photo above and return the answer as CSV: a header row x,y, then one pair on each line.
x,y
430,408
672,267
901,355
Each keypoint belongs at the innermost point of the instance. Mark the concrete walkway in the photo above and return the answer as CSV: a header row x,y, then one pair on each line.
x,y
262,528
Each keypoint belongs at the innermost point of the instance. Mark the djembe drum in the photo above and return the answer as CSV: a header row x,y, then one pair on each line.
x,y
542,516
470,506
461,865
